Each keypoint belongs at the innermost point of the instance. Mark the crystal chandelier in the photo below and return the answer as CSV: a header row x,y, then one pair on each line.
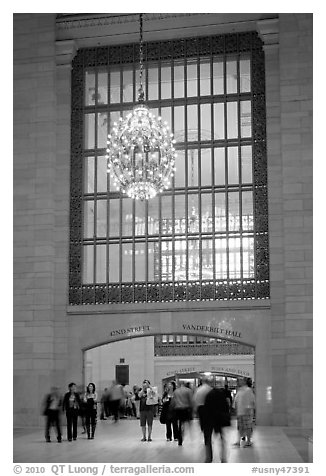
x,y
140,153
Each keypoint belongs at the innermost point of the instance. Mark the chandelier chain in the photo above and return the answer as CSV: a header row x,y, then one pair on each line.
x,y
141,95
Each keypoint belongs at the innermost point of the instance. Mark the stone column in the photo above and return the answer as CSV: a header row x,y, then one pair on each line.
x,y
65,52
269,33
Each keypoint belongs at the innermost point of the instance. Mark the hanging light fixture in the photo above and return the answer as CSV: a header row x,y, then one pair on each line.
x,y
140,153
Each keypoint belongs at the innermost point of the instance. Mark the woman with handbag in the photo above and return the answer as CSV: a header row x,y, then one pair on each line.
x,y
148,400
167,416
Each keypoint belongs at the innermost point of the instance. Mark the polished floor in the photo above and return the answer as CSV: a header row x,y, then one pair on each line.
x,y
120,443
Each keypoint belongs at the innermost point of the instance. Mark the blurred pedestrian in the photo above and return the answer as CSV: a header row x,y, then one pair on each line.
x,y
199,399
183,406
216,416
104,404
116,397
52,406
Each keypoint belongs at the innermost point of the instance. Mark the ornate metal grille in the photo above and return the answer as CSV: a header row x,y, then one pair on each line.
x,y
254,285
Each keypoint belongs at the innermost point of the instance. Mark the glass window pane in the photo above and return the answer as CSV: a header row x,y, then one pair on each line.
x,y
247,211
234,258
233,165
192,80
232,118
153,261
206,213
88,264
245,77
192,168
246,164
114,263
101,214
140,218
180,260
114,87
218,76
248,258
89,219
179,178
127,86
219,132
153,216
165,81
89,88
205,122
140,262
89,173
178,82
219,166
89,131
166,261
179,124
206,167
193,260
127,217
180,214
114,118
220,259
231,76
102,130
114,225
126,266
233,211
207,259
166,211
102,97
245,119
220,212
102,174
101,263
193,214
152,83
205,77
192,123
166,115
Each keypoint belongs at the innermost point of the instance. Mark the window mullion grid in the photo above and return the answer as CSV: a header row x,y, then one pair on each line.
x,y
226,173
186,172
239,174
108,200
213,217
199,172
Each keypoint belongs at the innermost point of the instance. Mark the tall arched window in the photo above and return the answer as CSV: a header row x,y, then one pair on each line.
x,y
206,238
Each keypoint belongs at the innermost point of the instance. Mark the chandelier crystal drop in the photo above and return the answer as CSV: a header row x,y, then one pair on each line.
x,y
140,153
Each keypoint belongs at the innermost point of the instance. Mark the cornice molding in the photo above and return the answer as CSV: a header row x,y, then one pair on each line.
x,y
65,52
64,23
268,31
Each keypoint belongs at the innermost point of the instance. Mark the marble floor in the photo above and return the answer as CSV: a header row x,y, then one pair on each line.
x,y
120,443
